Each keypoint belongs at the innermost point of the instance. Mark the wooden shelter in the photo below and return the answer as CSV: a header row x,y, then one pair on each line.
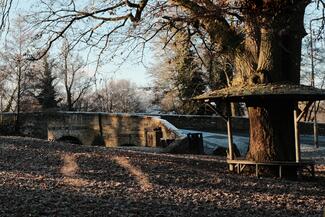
x,y
257,95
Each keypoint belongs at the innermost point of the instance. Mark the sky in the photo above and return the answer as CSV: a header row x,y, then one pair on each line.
x,y
131,70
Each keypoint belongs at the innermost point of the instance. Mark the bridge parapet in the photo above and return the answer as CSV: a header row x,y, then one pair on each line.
x,y
111,129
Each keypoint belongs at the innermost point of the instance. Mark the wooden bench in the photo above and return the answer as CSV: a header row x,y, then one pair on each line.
x,y
303,164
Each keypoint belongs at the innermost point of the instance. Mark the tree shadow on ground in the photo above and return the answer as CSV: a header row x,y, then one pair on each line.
x,y
65,180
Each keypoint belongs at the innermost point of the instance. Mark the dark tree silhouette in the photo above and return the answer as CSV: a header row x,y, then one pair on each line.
x,y
47,95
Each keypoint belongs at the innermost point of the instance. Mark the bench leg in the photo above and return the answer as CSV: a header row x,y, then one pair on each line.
x,y
256,170
313,171
242,167
280,171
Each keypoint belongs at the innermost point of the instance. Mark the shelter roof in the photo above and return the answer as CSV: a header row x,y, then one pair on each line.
x,y
250,93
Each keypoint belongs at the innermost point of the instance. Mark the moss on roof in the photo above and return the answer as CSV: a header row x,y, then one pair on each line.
x,y
264,91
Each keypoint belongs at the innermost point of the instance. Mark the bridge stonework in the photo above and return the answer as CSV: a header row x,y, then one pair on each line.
x,y
118,129
113,129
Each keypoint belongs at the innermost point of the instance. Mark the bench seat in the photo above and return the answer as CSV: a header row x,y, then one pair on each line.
x,y
302,164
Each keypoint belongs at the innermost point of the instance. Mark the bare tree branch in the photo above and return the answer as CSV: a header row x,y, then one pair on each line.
x,y
5,7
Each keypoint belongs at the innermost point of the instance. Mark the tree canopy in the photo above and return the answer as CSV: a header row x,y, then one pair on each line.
x,y
234,26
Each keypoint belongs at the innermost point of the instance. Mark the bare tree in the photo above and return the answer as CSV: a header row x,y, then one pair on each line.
x,y
14,63
117,96
74,76
313,59
5,8
99,25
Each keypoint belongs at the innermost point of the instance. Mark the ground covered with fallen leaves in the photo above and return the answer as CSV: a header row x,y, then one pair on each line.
x,y
40,178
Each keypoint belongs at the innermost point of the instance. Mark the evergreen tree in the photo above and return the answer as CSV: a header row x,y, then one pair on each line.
x,y
189,79
47,95
178,77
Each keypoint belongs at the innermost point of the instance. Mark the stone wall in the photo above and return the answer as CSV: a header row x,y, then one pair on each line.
x,y
206,123
31,124
7,123
92,128
113,129
120,129
217,124
137,130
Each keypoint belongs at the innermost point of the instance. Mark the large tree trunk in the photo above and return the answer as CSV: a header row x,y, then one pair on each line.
x,y
271,123
271,132
270,53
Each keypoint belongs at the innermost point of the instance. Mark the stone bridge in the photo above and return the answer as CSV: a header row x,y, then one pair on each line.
x,y
110,130
86,128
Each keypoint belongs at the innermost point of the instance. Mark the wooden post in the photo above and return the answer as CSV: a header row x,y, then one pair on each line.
x,y
315,126
297,139
230,138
